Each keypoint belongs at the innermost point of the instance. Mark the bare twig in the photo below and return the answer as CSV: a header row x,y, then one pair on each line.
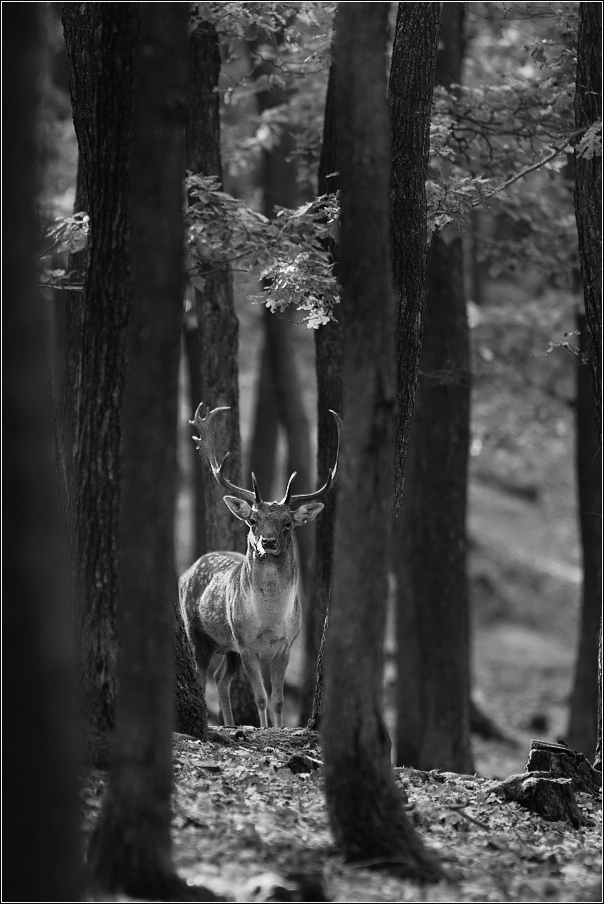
x,y
529,169
461,810
70,287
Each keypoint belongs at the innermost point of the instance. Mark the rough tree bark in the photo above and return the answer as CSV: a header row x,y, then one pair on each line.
x,y
41,850
97,35
192,353
429,550
588,188
410,91
131,848
329,361
78,35
365,805
218,328
588,213
95,340
584,700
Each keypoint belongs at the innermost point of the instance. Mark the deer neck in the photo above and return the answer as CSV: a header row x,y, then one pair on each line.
x,y
270,582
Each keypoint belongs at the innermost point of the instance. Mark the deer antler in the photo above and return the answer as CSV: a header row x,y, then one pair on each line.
x,y
206,443
290,500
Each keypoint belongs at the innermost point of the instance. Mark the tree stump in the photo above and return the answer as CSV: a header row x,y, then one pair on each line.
x,y
559,761
551,798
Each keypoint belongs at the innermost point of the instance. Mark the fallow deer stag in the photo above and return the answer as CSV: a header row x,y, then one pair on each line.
x,y
247,606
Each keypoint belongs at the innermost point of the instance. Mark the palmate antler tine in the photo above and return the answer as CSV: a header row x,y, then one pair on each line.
x,y
331,474
206,443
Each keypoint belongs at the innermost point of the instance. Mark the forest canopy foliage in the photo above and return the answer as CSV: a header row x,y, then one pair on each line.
x,y
511,119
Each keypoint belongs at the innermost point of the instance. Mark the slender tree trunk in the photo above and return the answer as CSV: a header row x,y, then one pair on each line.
x,y
329,362
105,138
588,188
131,850
584,700
364,803
410,90
41,845
218,328
266,428
192,352
282,402
433,625
588,213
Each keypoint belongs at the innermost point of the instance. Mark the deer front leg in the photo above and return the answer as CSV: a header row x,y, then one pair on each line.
x,y
251,664
278,666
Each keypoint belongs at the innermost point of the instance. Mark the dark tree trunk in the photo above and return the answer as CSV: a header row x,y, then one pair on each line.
x,y
192,352
584,700
218,329
429,553
218,326
105,137
131,849
588,213
365,805
41,846
97,35
329,362
588,188
411,86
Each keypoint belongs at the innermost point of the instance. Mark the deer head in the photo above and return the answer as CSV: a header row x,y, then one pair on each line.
x,y
270,524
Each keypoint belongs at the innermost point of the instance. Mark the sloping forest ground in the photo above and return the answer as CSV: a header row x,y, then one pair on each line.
x,y
251,827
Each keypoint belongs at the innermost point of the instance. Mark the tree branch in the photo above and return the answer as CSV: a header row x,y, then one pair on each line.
x,y
529,169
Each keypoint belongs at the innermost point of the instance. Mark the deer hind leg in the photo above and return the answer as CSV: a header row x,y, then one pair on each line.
x,y
278,667
203,647
251,664
224,674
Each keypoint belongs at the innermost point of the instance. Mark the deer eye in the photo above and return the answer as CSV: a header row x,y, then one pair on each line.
x,y
252,521
287,526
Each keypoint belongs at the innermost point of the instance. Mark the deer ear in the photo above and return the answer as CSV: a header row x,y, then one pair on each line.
x,y
238,507
307,512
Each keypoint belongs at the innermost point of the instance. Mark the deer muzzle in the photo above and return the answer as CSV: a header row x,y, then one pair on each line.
x,y
266,546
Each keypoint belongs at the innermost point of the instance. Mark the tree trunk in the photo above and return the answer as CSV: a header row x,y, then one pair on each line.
x,y
365,805
588,188
218,328
266,428
192,352
329,361
96,36
433,625
588,213
411,85
584,700
104,137
131,849
42,859
282,402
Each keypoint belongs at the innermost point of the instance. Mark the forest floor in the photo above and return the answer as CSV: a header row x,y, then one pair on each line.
x,y
250,828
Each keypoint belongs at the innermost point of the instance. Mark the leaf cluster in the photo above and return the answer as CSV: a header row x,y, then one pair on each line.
x,y
289,252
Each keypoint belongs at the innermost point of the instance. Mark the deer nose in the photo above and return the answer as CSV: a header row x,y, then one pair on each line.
x,y
269,542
